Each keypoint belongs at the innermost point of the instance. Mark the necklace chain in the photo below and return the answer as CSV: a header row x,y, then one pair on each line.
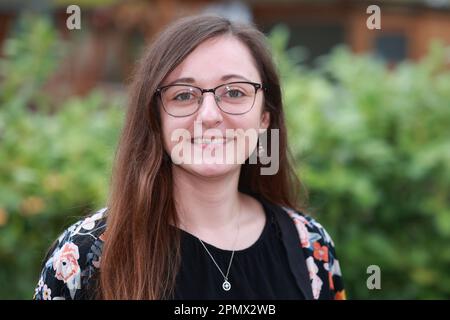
x,y
226,284
225,277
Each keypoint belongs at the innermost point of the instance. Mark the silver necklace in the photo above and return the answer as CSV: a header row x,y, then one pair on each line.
x,y
226,285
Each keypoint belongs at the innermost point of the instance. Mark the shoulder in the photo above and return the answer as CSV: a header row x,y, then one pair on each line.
x,y
320,254
309,229
71,264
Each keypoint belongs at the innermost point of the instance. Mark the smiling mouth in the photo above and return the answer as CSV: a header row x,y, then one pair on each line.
x,y
215,141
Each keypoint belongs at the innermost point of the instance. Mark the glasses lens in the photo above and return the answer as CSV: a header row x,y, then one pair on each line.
x,y
180,100
236,98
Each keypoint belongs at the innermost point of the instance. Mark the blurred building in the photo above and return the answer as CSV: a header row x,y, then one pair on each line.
x,y
114,32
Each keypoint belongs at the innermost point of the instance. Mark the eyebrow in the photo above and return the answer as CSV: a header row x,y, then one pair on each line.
x,y
224,78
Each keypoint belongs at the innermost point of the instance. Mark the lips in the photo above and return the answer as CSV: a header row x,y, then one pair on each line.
x,y
214,140
211,141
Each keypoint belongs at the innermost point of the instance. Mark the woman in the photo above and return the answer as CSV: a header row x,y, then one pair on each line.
x,y
183,222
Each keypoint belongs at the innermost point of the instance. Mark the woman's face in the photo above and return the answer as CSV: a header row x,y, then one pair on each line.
x,y
211,142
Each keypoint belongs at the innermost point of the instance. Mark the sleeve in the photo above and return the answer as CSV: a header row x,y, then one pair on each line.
x,y
326,263
71,262
335,282
48,287
60,275
321,260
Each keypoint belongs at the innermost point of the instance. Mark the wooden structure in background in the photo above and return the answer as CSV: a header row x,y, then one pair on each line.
x,y
106,49
411,26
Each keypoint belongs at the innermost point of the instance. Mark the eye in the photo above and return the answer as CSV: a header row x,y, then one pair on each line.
x,y
234,93
184,96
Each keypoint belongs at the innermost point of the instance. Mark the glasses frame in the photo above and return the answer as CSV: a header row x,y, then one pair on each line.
x,y
255,85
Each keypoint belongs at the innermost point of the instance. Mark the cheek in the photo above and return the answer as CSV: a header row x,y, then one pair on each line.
x,y
248,131
252,119
172,130
168,128
258,110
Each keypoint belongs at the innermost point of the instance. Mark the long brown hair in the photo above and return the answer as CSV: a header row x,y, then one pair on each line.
x,y
141,254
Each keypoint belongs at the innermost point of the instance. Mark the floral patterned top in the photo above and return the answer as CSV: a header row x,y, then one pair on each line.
x,y
70,267
321,261
71,263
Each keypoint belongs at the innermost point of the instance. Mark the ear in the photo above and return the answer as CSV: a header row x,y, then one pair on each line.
x,y
264,122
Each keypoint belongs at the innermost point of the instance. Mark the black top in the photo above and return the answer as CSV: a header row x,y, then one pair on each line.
x,y
260,271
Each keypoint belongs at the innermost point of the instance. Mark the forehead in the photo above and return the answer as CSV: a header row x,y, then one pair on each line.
x,y
215,58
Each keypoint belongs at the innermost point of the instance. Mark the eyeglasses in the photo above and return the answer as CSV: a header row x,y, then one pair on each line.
x,y
181,100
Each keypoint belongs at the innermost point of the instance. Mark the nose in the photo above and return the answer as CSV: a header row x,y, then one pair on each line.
x,y
209,112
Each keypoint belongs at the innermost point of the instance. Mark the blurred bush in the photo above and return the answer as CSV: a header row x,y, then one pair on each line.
x,y
54,160
372,145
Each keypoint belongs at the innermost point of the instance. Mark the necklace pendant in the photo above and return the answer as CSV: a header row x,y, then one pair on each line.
x,y
226,285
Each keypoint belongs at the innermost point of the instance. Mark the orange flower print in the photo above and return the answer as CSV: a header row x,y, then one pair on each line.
x,y
320,252
340,295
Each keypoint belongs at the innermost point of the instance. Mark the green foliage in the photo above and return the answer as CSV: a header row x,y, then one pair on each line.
x,y
371,144
373,147
54,165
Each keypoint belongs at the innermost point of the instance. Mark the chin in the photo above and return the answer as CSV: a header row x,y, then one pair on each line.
x,y
211,170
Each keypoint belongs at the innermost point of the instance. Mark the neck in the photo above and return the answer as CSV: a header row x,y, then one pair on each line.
x,y
206,205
